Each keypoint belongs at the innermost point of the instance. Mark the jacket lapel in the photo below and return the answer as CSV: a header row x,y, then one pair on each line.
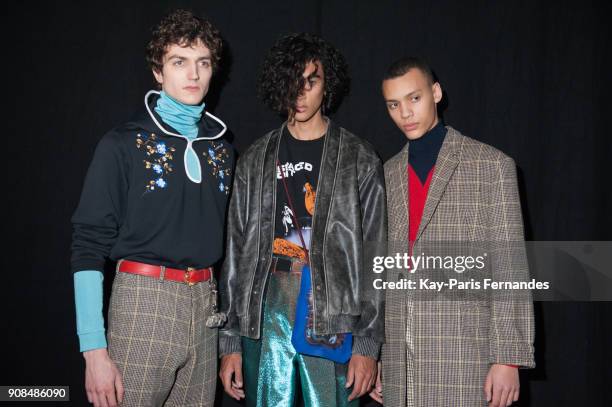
x,y
268,187
325,185
446,163
402,176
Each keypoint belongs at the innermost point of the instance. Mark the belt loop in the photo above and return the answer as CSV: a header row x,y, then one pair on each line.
x,y
162,272
118,265
211,281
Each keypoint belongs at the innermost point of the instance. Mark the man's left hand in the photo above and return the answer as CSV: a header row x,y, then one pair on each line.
x,y
361,375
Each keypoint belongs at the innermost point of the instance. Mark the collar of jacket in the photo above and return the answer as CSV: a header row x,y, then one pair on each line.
x,y
210,127
325,186
446,163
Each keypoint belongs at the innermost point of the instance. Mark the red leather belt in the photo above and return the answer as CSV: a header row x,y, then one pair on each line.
x,y
190,276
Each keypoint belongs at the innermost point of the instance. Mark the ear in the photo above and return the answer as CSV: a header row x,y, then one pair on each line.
x,y
437,92
159,76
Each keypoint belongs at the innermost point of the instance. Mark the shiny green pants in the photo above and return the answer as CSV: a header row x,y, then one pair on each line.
x,y
273,371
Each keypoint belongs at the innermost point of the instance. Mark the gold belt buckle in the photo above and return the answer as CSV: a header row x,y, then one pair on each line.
x,y
188,276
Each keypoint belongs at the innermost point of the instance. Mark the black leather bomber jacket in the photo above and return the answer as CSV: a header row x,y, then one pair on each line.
x,y
349,220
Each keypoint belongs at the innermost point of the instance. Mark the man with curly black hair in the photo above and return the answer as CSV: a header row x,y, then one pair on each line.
x,y
308,202
154,200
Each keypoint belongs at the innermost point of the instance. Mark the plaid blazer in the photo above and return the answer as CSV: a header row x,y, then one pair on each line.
x,y
437,353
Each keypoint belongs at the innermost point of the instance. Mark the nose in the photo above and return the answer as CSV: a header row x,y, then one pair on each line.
x,y
306,88
302,94
193,74
405,111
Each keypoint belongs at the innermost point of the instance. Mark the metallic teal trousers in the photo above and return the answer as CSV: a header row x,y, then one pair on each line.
x,y
274,373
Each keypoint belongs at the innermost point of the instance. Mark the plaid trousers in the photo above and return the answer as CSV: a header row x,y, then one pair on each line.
x,y
158,338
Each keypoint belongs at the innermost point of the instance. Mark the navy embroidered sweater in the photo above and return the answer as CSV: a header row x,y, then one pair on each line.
x,y
138,203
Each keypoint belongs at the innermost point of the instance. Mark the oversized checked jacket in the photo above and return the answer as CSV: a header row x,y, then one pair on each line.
x,y
437,353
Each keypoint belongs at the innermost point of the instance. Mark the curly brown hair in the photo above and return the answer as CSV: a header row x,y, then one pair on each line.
x,y
182,27
280,81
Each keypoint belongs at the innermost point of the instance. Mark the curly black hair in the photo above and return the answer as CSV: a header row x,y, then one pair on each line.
x,y
280,80
182,27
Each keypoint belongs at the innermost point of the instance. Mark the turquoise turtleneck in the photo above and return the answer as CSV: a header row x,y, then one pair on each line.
x,y
180,116
184,118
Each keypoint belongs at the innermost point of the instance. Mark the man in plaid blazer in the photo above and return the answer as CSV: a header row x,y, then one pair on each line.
x,y
455,351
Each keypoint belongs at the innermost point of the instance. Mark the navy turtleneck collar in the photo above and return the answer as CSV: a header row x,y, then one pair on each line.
x,y
423,152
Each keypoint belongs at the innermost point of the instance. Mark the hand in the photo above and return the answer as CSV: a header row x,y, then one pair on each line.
x,y
376,392
231,365
361,375
103,382
502,385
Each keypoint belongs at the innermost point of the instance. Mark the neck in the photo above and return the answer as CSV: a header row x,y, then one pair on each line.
x,y
311,129
435,123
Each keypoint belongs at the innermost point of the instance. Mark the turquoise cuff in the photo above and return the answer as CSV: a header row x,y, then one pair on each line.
x,y
88,296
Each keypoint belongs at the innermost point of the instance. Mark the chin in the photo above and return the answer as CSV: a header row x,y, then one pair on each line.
x,y
189,98
304,116
192,99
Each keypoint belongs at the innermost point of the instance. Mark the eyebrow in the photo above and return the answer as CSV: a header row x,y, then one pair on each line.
x,y
405,96
182,57
314,74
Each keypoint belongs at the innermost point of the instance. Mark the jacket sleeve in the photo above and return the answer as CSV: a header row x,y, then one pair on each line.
x,y
229,335
369,333
512,325
99,215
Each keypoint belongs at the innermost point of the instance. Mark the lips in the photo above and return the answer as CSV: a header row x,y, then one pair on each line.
x,y
192,88
410,126
300,109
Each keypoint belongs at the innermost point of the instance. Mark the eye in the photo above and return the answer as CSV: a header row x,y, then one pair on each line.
x,y
178,62
392,105
205,63
415,98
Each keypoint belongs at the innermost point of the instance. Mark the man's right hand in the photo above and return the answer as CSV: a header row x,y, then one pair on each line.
x,y
231,365
103,381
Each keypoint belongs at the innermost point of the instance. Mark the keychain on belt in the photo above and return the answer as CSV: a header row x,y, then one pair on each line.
x,y
216,319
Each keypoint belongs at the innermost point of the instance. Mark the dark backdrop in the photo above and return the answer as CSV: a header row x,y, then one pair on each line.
x,y
529,78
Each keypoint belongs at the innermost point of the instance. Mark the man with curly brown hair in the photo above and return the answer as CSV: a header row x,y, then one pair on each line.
x,y
154,200
308,203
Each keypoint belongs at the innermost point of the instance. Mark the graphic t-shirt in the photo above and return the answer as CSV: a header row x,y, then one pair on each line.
x,y
299,162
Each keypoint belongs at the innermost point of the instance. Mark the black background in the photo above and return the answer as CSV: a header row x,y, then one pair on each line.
x,y
530,78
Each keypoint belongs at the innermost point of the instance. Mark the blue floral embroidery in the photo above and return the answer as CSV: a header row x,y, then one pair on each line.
x,y
216,157
158,157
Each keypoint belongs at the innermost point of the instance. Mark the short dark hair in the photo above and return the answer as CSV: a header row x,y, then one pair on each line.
x,y
404,64
183,28
280,80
